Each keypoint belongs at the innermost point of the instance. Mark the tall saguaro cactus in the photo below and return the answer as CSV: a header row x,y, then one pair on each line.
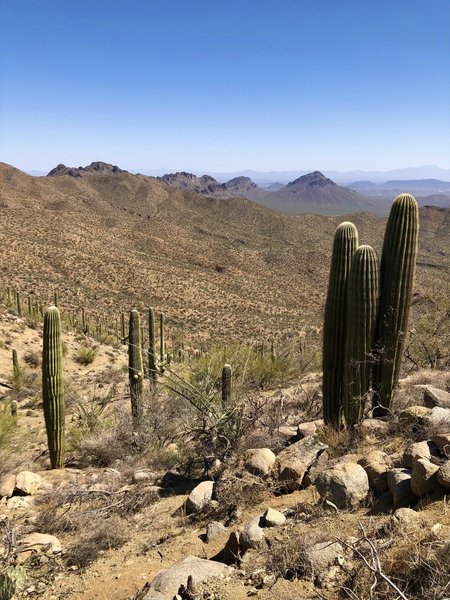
x,y
344,246
135,367
398,262
152,367
53,387
362,304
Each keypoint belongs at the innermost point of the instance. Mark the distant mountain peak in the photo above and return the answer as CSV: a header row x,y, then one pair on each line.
x,y
98,167
316,178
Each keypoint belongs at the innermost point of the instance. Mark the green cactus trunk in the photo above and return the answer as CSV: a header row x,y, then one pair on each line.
x,y
135,367
52,386
152,368
362,305
334,329
161,337
398,262
226,386
18,304
16,365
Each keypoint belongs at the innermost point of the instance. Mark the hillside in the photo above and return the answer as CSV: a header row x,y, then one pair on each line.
x,y
219,269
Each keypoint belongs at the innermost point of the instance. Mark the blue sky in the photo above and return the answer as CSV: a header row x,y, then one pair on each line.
x,y
225,85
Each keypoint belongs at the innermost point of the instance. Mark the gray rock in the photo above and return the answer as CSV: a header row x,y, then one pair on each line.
x,y
345,485
399,484
287,432
418,450
438,421
413,414
315,469
251,535
144,475
293,462
373,427
20,503
199,496
433,396
442,441
405,518
443,475
320,557
214,529
168,581
423,476
231,551
41,541
7,485
376,464
309,428
259,461
273,517
28,483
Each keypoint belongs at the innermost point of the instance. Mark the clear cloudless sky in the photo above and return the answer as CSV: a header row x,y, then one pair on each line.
x,y
222,85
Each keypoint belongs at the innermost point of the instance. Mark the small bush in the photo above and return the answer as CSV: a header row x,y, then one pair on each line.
x,y
33,359
85,355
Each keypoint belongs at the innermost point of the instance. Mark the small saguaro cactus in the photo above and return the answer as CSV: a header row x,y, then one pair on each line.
x,y
362,305
52,386
16,365
152,367
226,386
398,262
18,303
135,367
334,328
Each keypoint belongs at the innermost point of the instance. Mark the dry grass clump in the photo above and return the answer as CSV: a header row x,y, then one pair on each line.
x,y
85,355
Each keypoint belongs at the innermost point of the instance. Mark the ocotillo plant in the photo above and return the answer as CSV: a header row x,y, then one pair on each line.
x,y
152,368
362,305
398,262
334,329
52,386
135,367
226,386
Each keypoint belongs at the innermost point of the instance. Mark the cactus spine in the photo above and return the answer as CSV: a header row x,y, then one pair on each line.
x,y
152,368
226,386
52,386
396,278
344,246
362,304
135,367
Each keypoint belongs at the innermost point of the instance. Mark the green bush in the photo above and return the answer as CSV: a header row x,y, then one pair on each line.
x,y
85,355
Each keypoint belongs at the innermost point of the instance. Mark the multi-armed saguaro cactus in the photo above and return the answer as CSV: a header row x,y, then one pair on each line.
x,y
52,386
344,246
396,278
152,367
226,386
135,367
362,304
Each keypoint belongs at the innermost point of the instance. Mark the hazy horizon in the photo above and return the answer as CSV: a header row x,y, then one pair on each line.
x,y
225,87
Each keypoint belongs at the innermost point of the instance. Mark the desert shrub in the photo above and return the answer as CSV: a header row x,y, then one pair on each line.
x,y
32,358
85,355
339,443
7,426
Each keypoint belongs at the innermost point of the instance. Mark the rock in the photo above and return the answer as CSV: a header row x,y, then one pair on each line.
x,y
433,396
376,464
373,427
320,557
293,462
315,469
418,450
38,541
7,485
20,503
413,414
442,441
438,421
423,476
309,428
287,432
399,484
405,518
259,461
168,581
199,497
443,475
345,485
214,529
231,551
28,483
251,535
144,475
272,518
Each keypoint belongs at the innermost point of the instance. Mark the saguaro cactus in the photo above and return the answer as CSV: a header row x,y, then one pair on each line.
x,y
398,262
152,368
362,305
135,367
226,386
52,386
344,246
161,338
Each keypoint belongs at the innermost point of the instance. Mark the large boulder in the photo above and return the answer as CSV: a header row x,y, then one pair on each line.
x,y
413,415
7,485
442,441
345,485
251,535
293,462
41,541
322,558
309,428
168,581
433,396
399,484
28,483
424,449
443,475
438,421
199,497
423,476
376,464
259,461
273,517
